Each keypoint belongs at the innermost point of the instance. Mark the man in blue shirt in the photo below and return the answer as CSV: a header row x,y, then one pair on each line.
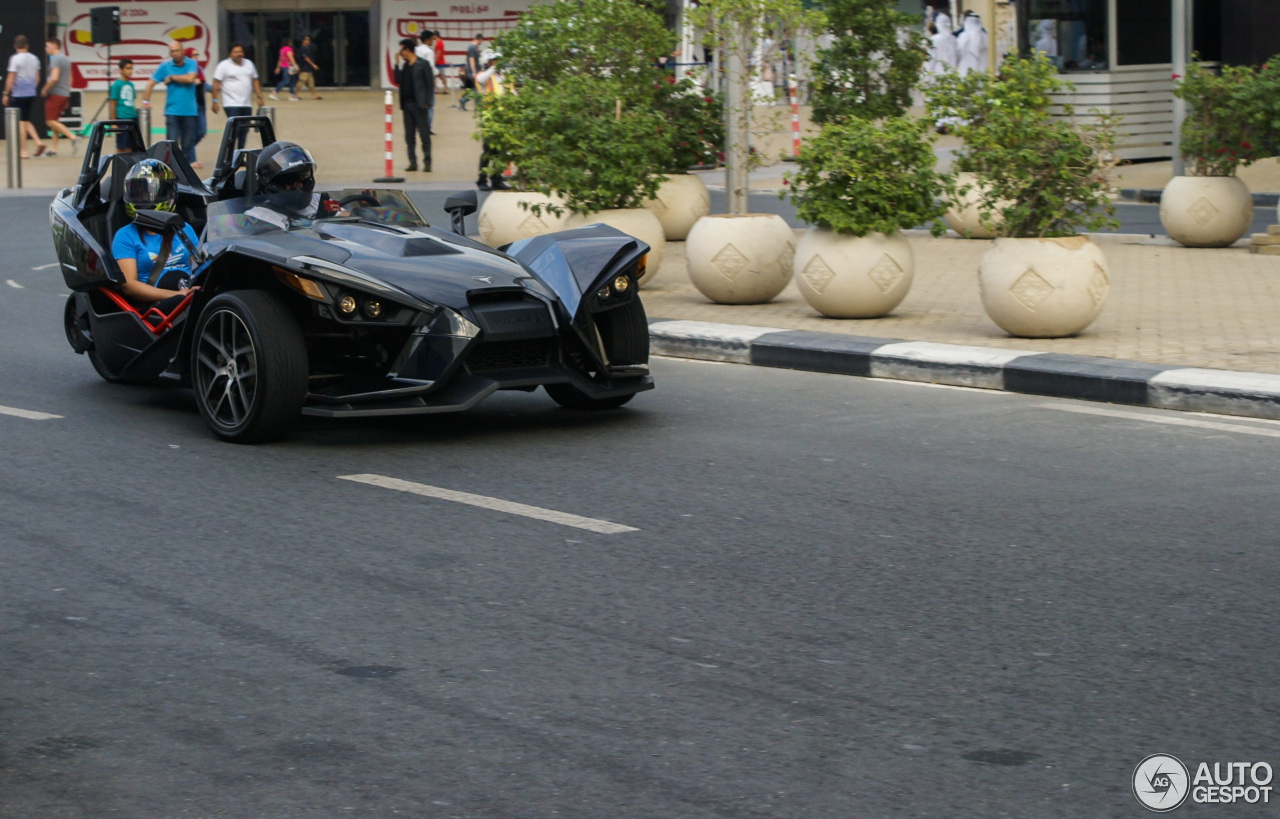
x,y
152,185
181,120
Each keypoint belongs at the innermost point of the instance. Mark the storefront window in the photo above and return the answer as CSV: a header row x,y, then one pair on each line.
x,y
1072,33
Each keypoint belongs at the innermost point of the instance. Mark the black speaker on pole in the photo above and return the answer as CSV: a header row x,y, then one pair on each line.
x,y
104,24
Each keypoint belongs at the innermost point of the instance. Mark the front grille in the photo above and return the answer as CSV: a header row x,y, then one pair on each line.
x,y
509,355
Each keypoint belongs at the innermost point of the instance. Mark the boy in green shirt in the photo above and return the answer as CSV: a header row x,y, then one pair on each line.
x,y
121,96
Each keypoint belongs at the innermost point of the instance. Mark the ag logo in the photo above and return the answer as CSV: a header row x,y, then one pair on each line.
x,y
1161,782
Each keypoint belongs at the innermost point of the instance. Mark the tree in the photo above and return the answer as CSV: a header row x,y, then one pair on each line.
x,y
872,64
741,31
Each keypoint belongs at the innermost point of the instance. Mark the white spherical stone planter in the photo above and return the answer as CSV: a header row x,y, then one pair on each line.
x,y
740,258
853,276
682,200
502,220
1043,288
965,217
636,222
1206,211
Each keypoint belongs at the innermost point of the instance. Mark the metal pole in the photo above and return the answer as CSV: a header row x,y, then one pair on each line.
x,y
12,140
1181,34
144,125
268,111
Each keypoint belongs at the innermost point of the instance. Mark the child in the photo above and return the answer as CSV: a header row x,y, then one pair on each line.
x,y
121,97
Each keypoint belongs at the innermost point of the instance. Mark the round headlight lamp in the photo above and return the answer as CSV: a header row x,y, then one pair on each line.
x,y
603,293
372,308
621,284
347,304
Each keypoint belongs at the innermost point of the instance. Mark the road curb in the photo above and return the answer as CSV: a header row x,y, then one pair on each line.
x,y
1110,380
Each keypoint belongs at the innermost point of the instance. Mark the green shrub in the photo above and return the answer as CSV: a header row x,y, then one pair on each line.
x,y
1051,170
579,139
1227,121
858,177
695,122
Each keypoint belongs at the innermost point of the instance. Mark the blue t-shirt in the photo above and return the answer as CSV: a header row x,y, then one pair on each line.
x,y
179,97
144,247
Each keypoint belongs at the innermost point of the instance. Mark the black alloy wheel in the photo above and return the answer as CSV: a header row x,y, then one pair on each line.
x,y
249,367
625,332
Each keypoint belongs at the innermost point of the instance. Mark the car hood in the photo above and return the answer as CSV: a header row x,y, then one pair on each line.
x,y
430,264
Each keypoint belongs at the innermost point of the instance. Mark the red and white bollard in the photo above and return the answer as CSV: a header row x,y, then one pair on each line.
x,y
390,147
795,117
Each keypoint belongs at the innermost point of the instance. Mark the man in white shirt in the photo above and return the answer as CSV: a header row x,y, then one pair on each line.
x,y
20,85
235,80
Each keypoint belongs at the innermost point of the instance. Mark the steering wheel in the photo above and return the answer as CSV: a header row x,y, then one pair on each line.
x,y
358,197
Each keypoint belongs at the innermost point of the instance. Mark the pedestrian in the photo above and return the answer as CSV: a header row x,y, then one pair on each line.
x,y
235,85
427,55
437,47
470,68
944,54
121,98
202,86
488,82
179,75
57,93
972,44
308,65
20,90
288,70
417,96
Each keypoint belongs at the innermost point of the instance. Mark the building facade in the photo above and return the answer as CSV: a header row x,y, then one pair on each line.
x,y
356,40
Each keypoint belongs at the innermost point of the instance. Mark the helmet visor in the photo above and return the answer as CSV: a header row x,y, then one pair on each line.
x,y
287,158
146,192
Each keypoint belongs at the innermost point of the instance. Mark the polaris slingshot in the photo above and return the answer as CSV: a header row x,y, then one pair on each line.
x,y
370,312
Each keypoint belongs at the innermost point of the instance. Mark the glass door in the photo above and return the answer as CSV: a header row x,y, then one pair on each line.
x,y
341,39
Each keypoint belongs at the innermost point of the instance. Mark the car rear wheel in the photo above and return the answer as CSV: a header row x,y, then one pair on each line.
x,y
625,332
248,367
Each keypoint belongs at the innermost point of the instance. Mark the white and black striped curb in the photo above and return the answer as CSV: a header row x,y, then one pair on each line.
x,y
1086,378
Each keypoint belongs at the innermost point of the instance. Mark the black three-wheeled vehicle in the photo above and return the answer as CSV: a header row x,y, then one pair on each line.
x,y
370,312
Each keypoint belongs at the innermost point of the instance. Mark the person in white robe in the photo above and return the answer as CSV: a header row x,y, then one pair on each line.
x,y
972,45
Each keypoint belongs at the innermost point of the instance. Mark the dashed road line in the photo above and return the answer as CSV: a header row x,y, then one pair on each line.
x,y
1164,419
13,284
496,504
46,266
30,415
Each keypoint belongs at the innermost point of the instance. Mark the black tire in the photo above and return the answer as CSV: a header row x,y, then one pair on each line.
x,y
101,369
254,331
625,332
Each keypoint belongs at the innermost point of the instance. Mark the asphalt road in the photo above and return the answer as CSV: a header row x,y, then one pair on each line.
x,y
841,597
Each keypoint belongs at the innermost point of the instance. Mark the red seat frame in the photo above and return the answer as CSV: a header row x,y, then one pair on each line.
x,y
163,321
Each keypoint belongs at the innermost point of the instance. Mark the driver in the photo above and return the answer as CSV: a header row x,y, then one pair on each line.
x,y
287,174
152,185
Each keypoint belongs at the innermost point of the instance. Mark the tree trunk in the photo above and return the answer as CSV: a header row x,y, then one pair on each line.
x,y
737,119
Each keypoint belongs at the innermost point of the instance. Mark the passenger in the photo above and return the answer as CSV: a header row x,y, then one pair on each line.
x,y
152,185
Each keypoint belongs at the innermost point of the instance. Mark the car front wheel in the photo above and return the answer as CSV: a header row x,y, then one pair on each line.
x,y
248,367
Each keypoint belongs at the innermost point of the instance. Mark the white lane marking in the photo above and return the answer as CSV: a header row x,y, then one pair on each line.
x,y
1164,419
13,284
46,266
497,504
28,414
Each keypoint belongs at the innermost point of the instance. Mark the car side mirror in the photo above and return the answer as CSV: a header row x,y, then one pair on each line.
x,y
459,206
158,220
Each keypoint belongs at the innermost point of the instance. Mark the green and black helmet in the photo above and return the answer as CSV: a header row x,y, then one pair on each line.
x,y
150,185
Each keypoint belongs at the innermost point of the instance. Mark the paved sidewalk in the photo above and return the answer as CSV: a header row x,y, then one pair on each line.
x,y
1168,305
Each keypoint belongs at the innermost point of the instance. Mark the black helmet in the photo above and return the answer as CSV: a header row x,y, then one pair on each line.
x,y
150,185
282,166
